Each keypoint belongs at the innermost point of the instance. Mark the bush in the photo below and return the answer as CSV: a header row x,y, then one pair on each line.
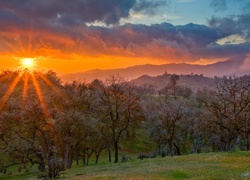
x,y
145,156
124,158
56,167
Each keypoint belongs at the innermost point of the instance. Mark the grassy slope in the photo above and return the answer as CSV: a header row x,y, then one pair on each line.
x,y
203,166
196,166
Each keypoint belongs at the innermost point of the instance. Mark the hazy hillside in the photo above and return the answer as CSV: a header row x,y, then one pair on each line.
x,y
228,67
193,82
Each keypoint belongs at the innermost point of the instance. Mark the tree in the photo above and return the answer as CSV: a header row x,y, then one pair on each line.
x,y
168,124
30,134
155,129
120,111
173,83
75,120
228,106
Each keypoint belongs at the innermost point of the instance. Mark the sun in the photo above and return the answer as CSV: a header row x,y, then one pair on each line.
x,y
27,62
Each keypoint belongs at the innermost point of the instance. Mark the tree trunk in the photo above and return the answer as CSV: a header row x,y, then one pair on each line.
x,y
170,144
84,159
116,152
77,158
96,157
159,149
88,156
41,165
68,157
87,162
248,143
109,152
177,150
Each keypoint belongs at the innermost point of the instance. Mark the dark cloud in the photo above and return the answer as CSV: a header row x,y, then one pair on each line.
x,y
224,26
233,24
149,7
158,40
238,24
9,19
219,5
222,51
78,11
108,11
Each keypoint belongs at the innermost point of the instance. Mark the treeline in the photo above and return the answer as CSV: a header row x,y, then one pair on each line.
x,y
50,124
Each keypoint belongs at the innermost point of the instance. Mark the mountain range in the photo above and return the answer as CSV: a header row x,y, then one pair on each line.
x,y
235,66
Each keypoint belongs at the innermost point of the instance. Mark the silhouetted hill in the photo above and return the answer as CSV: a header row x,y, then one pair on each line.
x,y
228,67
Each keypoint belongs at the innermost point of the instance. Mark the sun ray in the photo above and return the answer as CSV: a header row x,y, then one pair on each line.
x,y
49,121
25,87
50,84
25,46
40,96
10,46
20,43
9,91
21,46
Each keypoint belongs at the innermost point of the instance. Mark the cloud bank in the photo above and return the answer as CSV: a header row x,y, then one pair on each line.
x,y
58,28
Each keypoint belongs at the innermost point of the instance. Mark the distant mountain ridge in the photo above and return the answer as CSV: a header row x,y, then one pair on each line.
x,y
228,67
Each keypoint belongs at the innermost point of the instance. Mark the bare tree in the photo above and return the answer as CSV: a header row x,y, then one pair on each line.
x,y
229,109
120,111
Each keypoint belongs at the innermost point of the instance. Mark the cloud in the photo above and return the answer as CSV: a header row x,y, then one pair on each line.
x,y
185,1
79,11
160,41
57,29
149,7
108,11
223,51
232,39
219,5
222,5
236,24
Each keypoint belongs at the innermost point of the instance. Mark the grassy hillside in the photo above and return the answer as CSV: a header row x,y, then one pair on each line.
x,y
234,165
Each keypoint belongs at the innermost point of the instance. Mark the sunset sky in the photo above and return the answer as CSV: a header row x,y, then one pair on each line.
x,y
79,35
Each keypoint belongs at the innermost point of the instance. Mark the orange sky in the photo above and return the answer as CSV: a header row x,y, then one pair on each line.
x,y
64,55
73,63
70,58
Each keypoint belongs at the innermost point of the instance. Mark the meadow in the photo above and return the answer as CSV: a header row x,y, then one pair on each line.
x,y
222,165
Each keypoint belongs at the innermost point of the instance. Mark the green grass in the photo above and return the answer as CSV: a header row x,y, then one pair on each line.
x,y
179,174
233,165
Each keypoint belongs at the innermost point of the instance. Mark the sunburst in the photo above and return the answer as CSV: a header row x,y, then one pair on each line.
x,y
27,59
28,63
26,75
